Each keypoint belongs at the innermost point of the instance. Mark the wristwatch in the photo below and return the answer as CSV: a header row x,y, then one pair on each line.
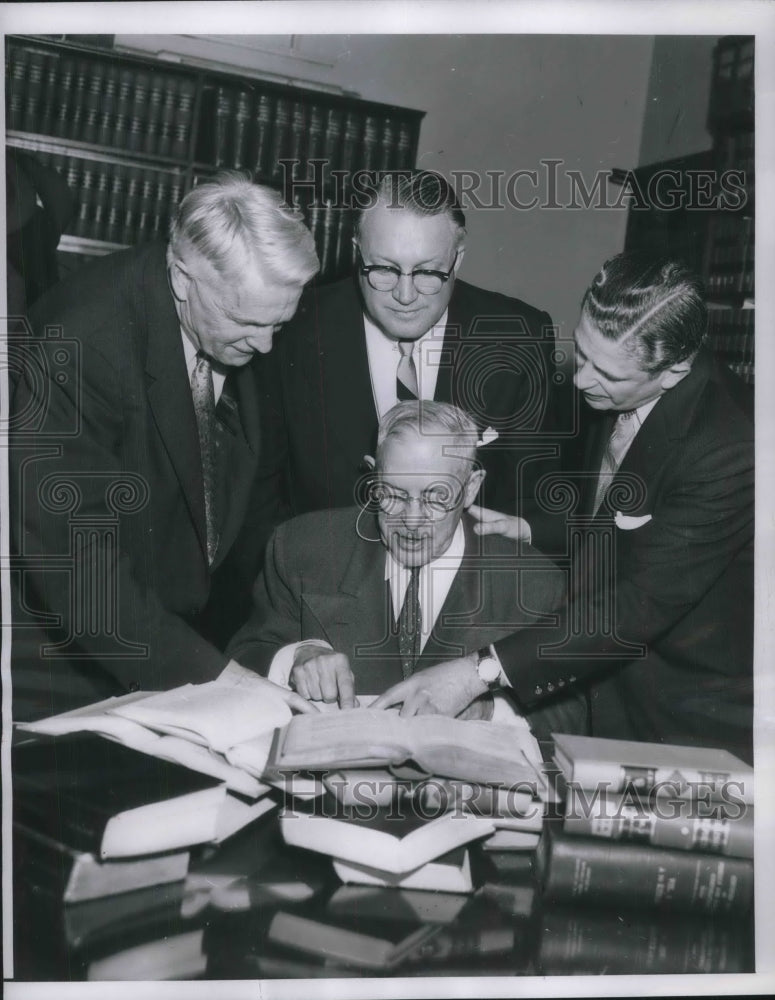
x,y
487,666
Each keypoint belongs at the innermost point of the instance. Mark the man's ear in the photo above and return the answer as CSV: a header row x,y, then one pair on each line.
x,y
675,374
461,252
369,461
473,486
179,278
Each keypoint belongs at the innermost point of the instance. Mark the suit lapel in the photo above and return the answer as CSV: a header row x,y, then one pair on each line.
x,y
651,448
458,322
338,373
169,396
356,616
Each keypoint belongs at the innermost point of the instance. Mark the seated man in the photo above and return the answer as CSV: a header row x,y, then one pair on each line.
x,y
356,598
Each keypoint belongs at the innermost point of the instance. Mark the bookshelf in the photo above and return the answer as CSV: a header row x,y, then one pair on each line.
x,y
712,228
132,135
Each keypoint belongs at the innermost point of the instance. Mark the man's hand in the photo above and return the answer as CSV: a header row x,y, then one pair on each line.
x,y
237,675
446,689
492,522
320,675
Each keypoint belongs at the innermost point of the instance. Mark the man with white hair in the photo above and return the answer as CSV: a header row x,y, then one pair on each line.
x,y
137,444
352,600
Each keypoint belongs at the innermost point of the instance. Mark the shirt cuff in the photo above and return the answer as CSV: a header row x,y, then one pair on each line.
x,y
282,662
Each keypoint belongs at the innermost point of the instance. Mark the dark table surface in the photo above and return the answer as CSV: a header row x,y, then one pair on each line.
x,y
257,909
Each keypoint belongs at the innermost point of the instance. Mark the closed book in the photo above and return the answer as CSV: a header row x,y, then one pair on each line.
x,y
177,956
101,926
367,945
449,873
653,768
683,824
511,840
628,875
74,876
369,902
473,750
103,798
583,941
393,841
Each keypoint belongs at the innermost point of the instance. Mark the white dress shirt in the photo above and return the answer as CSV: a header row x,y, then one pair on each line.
x,y
384,355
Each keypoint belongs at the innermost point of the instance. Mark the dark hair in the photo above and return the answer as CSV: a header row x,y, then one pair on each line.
x,y
658,303
421,192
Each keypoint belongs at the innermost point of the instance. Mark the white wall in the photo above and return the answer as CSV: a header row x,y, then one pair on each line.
x,y
493,102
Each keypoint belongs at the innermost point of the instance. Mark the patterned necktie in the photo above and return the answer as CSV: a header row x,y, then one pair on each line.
x,y
410,624
623,432
204,408
406,373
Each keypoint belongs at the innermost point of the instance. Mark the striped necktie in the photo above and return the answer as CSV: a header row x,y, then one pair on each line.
x,y
406,373
624,430
410,624
203,395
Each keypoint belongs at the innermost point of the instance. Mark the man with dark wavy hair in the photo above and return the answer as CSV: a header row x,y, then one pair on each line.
x,y
658,626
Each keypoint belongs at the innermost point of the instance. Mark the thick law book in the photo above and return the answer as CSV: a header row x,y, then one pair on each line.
x,y
653,768
195,724
74,876
392,841
597,872
473,750
578,941
682,824
449,873
103,798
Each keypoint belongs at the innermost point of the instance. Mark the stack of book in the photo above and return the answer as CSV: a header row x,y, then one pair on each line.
x,y
449,783
652,826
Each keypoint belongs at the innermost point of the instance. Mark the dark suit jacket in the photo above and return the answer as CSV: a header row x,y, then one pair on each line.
x,y
323,580
497,364
681,583
112,405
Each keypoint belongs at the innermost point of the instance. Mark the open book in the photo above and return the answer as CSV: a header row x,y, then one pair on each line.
x,y
470,750
196,725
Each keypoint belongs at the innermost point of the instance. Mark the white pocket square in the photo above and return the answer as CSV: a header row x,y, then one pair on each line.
x,y
488,436
627,523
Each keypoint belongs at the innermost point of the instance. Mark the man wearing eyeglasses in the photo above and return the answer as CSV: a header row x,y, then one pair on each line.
x,y
405,328
353,600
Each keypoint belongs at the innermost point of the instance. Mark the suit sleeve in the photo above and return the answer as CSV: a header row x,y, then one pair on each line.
x,y
523,404
78,517
276,617
702,521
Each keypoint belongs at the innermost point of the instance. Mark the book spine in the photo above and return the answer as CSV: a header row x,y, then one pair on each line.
x,y
241,130
223,126
585,942
632,875
18,64
34,89
676,782
123,109
184,110
73,822
167,116
153,124
717,834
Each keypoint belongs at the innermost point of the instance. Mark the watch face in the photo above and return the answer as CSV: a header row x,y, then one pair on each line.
x,y
488,669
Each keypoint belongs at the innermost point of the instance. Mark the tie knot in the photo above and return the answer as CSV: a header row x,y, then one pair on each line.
x,y
406,347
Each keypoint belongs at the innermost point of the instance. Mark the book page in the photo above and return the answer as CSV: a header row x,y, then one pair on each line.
x,y
213,714
359,734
